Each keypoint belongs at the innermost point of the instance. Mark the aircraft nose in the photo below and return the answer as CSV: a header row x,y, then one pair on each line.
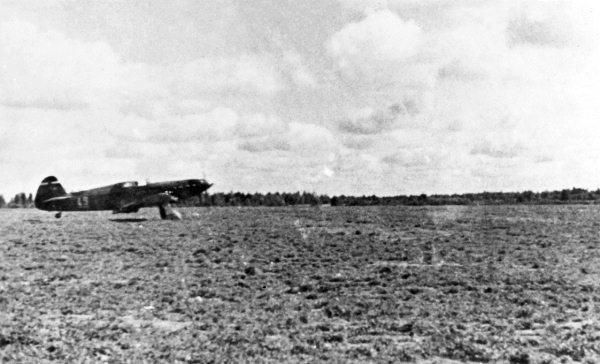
x,y
203,186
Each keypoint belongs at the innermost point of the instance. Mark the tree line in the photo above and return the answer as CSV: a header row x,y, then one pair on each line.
x,y
573,195
20,200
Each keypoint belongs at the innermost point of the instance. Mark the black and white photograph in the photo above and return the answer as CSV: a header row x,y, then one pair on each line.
x,y
314,181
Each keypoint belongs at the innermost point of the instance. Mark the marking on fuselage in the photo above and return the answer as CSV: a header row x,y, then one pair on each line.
x,y
82,201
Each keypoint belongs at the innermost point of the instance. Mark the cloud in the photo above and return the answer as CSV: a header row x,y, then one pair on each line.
x,y
46,70
557,24
472,47
381,35
410,158
552,32
385,65
261,133
300,74
379,42
124,150
459,71
327,172
369,121
309,139
257,125
154,105
366,121
59,103
358,142
304,140
194,87
243,74
371,5
265,144
377,94
543,158
498,151
218,124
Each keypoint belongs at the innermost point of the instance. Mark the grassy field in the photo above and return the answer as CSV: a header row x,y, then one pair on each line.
x,y
426,284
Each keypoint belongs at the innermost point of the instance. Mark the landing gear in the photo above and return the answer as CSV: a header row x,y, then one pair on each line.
x,y
168,213
58,214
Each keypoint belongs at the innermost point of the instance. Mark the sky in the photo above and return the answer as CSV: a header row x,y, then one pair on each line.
x,y
328,96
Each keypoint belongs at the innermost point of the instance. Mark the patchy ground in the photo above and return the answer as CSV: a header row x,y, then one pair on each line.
x,y
486,283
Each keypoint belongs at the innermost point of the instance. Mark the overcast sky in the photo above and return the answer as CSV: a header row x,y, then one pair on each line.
x,y
339,97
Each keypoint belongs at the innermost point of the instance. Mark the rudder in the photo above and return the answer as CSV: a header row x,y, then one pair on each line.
x,y
49,188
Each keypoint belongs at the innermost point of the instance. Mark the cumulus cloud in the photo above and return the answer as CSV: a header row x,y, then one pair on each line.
x,y
472,48
262,133
194,87
357,100
381,36
498,150
410,158
128,151
554,24
543,158
369,121
457,70
154,106
245,74
64,103
300,138
358,142
300,74
265,144
46,70
327,172
371,5
218,124
546,31
387,63
308,139
379,50
256,125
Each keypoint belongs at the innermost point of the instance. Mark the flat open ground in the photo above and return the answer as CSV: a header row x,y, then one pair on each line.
x,y
482,283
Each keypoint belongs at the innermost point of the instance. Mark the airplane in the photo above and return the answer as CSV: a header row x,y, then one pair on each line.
x,y
123,197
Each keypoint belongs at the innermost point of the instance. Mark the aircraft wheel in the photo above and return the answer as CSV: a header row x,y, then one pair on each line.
x,y
58,215
168,213
163,212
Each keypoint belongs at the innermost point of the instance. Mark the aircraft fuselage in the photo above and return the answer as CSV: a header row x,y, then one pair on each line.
x,y
121,197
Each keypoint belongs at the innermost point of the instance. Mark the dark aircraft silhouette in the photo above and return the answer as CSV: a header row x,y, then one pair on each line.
x,y
124,197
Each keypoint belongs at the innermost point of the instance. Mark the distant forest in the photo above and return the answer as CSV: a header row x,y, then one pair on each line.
x,y
21,200
574,195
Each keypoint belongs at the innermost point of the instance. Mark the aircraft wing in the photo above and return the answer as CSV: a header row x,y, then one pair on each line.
x,y
150,200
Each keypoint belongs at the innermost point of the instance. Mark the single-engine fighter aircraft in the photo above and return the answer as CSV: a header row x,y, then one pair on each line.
x,y
124,197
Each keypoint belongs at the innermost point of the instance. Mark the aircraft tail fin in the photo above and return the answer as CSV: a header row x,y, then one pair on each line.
x,y
49,188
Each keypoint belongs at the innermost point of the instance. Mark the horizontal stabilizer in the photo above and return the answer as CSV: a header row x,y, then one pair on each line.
x,y
59,198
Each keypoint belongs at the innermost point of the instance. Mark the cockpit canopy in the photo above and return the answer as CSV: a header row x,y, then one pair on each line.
x,y
197,183
128,184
